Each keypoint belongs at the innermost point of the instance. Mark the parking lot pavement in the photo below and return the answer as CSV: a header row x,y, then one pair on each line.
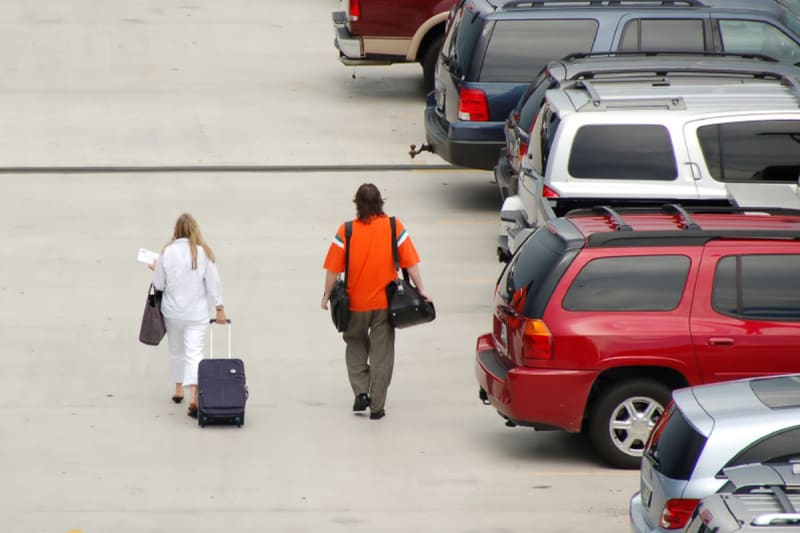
x,y
90,439
177,83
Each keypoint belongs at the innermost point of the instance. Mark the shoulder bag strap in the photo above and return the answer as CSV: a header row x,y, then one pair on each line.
x,y
348,232
395,254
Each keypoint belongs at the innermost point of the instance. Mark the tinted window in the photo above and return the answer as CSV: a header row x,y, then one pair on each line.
x,y
764,150
759,37
663,34
531,265
638,283
674,445
776,448
623,151
460,41
518,49
758,287
532,104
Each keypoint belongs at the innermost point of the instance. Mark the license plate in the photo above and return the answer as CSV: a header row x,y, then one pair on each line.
x,y
647,495
439,100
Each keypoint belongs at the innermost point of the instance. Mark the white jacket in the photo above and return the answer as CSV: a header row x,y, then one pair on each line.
x,y
188,294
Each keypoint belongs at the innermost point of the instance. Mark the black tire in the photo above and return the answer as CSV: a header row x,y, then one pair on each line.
x,y
428,61
622,419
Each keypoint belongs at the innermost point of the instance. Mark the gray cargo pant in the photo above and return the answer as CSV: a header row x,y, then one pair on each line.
x,y
370,354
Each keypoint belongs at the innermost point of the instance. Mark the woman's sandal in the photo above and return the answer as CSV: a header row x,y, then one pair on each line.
x,y
192,410
177,399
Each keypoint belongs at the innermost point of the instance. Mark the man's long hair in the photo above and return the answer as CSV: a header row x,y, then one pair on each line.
x,y
368,202
186,227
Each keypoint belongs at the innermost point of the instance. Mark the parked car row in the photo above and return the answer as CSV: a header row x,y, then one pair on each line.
x,y
648,156
494,49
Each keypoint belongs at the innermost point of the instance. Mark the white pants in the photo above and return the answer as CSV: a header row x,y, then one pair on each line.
x,y
186,339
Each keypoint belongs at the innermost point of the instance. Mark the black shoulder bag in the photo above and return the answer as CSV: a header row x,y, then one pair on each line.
x,y
340,301
406,306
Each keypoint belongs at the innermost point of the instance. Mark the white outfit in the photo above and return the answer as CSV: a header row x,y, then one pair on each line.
x,y
188,296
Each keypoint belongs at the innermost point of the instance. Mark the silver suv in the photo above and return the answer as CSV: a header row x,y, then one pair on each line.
x,y
696,139
706,429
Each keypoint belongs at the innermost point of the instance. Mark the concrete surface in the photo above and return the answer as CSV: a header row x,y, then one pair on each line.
x,y
90,440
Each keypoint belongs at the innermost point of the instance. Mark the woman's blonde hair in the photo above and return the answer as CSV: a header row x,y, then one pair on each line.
x,y
186,227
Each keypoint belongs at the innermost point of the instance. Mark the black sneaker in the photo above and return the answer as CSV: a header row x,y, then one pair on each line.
x,y
361,402
377,415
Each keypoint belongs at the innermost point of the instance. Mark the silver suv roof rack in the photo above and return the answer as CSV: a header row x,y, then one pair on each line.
x,y
515,4
596,103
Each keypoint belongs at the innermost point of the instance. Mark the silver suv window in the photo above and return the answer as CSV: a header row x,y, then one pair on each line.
x,y
605,151
765,150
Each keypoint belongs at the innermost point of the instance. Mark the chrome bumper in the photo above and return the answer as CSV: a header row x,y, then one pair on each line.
x,y
348,45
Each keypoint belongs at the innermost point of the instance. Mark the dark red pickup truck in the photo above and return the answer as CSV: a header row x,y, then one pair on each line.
x,y
382,32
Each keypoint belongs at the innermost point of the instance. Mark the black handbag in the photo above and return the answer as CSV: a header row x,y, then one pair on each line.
x,y
153,328
340,300
407,307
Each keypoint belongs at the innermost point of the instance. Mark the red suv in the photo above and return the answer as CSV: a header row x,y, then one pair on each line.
x,y
602,312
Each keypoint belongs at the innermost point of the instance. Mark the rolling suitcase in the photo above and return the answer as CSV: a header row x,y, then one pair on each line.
x,y
222,388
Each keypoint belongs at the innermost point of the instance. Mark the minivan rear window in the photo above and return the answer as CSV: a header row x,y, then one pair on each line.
x,y
762,150
674,445
623,151
518,49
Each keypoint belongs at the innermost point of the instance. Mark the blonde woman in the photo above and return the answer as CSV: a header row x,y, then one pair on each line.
x,y
187,272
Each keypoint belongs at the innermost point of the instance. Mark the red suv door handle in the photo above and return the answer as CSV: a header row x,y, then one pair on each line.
x,y
720,341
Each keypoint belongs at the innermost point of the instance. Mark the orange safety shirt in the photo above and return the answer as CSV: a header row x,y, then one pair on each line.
x,y
371,262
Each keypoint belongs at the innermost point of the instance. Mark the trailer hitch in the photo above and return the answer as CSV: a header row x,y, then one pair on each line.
x,y
424,148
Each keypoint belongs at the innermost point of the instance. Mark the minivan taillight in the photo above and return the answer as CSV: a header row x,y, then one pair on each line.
x,y
677,513
354,10
472,105
537,341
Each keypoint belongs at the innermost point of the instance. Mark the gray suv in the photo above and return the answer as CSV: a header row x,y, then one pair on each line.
x,y
493,49
706,429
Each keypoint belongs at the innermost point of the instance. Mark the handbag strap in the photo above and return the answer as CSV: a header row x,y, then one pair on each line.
x,y
395,254
348,232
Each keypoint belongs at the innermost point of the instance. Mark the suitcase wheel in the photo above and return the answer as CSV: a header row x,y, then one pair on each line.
x,y
239,420
202,420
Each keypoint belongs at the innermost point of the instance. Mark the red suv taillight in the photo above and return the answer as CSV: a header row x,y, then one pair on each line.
x,y
537,341
472,105
354,10
677,513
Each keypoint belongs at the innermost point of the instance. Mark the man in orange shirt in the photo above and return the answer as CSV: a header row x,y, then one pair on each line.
x,y
369,337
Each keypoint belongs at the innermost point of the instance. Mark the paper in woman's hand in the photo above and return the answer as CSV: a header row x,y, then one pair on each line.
x,y
146,256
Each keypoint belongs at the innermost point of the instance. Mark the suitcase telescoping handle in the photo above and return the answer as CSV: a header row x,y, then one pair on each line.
x,y
213,321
